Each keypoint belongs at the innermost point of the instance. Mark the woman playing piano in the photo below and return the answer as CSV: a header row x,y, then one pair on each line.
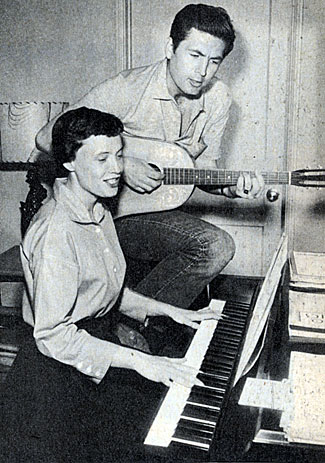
x,y
75,393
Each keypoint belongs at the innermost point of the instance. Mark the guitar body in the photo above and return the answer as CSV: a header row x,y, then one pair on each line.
x,y
166,197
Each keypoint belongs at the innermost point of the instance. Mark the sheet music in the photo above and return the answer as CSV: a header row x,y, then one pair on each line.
x,y
263,393
262,309
303,418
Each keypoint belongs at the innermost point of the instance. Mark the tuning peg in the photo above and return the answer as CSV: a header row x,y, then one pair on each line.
x,y
272,195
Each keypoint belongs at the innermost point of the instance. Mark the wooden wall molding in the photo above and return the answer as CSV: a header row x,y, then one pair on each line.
x,y
123,34
293,106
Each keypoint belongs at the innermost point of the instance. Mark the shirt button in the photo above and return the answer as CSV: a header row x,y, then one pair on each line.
x,y
80,365
98,374
88,370
114,269
97,230
106,250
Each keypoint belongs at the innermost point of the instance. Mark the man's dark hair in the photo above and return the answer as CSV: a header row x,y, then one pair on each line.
x,y
206,18
77,125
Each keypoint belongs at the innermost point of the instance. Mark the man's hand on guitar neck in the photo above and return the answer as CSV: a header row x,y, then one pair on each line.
x,y
247,187
140,176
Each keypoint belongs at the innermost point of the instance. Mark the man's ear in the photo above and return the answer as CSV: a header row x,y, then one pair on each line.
x,y
69,166
169,48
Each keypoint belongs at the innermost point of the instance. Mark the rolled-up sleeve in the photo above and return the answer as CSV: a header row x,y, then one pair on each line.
x,y
56,335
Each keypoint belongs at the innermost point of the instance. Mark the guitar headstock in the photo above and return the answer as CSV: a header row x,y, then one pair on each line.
x,y
308,178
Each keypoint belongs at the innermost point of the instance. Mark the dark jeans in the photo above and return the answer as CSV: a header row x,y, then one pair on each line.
x,y
187,253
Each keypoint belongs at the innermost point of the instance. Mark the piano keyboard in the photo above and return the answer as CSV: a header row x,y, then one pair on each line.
x,y
190,416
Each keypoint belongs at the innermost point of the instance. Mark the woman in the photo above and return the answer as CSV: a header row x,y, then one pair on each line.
x,y
75,393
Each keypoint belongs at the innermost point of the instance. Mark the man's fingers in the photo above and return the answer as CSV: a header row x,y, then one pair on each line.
x,y
249,187
247,182
155,174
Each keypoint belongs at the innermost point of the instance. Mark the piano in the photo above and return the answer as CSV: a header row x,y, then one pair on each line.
x,y
189,421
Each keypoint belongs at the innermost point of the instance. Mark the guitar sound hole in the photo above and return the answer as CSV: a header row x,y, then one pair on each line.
x,y
154,167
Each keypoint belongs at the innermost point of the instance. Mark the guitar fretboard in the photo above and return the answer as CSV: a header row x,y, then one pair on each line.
x,y
190,176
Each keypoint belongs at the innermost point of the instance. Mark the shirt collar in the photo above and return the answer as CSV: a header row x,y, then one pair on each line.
x,y
158,86
159,90
76,209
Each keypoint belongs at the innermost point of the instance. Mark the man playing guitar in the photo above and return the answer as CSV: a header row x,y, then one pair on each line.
x,y
179,100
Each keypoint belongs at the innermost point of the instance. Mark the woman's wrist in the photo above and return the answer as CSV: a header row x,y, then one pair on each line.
x,y
125,357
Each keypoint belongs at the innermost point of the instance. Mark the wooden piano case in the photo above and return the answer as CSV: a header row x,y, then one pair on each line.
x,y
268,441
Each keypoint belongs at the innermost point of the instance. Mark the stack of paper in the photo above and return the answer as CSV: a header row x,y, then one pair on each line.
x,y
307,297
303,418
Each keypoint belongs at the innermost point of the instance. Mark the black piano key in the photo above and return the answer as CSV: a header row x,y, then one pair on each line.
x,y
221,349
221,372
235,314
207,388
201,399
212,368
226,340
232,321
213,393
222,352
239,305
237,310
215,365
183,433
214,357
240,318
196,426
233,333
217,358
234,324
242,311
212,378
231,324
213,382
226,332
200,413
208,391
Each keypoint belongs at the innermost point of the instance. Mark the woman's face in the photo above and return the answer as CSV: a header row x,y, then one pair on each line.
x,y
98,165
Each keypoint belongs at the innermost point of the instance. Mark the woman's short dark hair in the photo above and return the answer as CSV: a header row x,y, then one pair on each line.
x,y
206,18
77,125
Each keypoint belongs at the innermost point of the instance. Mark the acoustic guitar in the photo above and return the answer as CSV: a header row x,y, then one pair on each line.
x,y
180,177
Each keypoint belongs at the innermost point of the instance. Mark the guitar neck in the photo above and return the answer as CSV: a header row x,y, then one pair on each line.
x,y
222,177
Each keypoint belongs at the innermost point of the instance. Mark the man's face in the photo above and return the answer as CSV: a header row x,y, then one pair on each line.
x,y
194,63
98,165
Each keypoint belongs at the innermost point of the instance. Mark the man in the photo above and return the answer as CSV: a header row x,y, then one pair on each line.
x,y
178,100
